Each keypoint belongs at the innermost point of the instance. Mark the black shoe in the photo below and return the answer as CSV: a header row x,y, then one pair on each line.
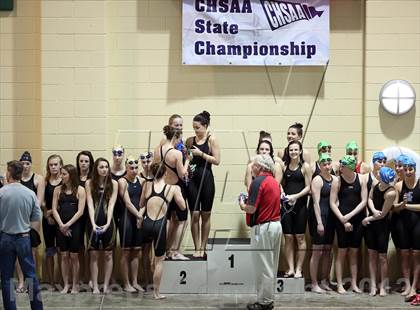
x,y
258,306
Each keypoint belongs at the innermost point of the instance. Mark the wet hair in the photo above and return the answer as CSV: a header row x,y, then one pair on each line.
x,y
298,127
73,180
287,158
171,132
91,161
95,185
264,135
173,117
15,169
269,145
158,170
53,156
203,118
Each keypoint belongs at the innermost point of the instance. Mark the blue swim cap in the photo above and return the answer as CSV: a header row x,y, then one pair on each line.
x,y
387,174
401,158
410,162
378,156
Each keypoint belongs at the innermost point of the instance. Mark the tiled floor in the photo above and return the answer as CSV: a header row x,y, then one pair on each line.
x,y
132,302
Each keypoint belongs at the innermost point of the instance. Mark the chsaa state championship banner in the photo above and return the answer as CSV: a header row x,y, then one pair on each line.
x,y
255,32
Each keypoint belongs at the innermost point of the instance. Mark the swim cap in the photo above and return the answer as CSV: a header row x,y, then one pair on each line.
x,y
352,145
324,157
349,161
118,147
26,156
378,156
322,144
387,175
410,162
402,158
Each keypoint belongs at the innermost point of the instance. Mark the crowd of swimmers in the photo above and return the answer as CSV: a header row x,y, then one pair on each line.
x,y
85,206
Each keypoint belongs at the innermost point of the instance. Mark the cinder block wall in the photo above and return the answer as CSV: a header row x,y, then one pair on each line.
x,y
87,74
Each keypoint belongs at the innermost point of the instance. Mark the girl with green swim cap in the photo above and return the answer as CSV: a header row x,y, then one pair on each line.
x,y
352,149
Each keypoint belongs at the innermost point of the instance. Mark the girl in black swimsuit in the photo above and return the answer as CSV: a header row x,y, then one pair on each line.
x,y
176,174
155,199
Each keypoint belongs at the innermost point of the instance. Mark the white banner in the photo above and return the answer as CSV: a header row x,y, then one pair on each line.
x,y
255,32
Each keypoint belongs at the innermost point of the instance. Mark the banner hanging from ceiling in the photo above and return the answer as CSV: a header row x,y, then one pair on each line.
x,y
255,32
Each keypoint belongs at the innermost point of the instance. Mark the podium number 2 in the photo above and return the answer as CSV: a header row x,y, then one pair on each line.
x,y
280,284
183,276
232,261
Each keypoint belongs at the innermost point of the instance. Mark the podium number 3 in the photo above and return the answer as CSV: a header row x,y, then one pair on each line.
x,y
183,276
280,284
232,261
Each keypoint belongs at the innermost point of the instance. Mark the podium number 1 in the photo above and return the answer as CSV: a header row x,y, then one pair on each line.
x,y
183,276
232,261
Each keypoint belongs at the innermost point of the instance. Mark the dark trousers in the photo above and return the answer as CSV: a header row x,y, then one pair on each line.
x,y
12,247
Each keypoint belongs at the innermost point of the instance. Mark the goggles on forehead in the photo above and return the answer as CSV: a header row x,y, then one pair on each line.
x,y
147,156
117,152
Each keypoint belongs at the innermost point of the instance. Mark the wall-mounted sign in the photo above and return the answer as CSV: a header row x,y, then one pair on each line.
x,y
255,32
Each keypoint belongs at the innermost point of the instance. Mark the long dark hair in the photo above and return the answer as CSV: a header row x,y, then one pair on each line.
x,y
95,185
286,156
270,146
91,160
73,180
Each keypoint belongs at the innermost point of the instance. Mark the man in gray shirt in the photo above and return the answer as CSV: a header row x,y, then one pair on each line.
x,y
18,208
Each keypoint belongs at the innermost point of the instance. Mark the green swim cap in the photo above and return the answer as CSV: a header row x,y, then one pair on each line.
x,y
349,161
352,145
322,144
324,157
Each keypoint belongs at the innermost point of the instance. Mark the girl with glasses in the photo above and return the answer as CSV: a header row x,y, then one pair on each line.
x,y
129,188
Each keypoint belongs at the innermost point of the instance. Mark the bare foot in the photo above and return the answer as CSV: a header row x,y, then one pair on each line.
x,y
74,291
406,291
356,290
341,290
90,284
317,289
382,292
96,291
197,254
298,274
65,290
128,289
179,256
107,290
373,291
52,288
325,286
158,296
138,287
20,289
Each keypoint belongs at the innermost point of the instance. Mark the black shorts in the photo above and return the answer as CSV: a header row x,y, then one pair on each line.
x,y
35,238
352,239
181,215
155,231
201,199
50,234
104,241
377,235
329,228
70,244
405,230
130,235
294,218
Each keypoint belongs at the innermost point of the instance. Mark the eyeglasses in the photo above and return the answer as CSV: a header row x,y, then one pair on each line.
x,y
147,156
117,152
134,167
132,162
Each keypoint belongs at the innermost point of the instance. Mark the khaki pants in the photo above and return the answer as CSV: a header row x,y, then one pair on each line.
x,y
265,242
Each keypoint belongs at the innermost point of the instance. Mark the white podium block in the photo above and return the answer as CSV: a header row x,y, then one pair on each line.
x,y
229,263
184,277
290,286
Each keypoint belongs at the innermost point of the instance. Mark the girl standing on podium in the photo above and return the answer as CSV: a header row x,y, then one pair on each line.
x,y
206,152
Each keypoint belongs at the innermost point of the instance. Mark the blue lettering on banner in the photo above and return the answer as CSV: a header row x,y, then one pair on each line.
x,y
209,49
202,26
223,6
